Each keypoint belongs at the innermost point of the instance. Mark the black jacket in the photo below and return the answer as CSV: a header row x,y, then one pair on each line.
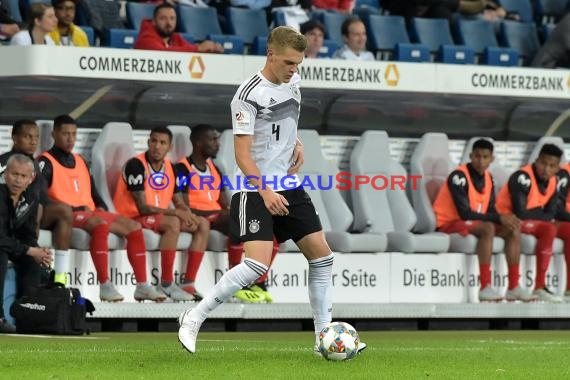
x,y
18,224
556,49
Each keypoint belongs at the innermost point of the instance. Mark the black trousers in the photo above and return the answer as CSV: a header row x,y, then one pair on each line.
x,y
28,274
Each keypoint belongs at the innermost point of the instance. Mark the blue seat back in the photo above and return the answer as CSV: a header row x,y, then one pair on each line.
x,y
136,12
199,22
247,23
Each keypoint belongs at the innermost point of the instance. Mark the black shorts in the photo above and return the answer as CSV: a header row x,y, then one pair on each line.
x,y
251,221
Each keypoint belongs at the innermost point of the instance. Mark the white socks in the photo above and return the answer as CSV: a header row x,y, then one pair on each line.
x,y
234,279
320,290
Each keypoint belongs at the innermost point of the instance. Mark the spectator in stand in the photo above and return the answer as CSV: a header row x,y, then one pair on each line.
x,y
42,21
144,193
204,194
556,49
314,31
531,194
18,239
70,181
8,26
158,34
354,35
67,33
342,6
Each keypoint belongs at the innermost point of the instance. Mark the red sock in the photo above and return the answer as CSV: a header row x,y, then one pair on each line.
x,y
167,257
136,252
485,275
235,253
542,262
194,260
99,248
514,276
564,234
263,278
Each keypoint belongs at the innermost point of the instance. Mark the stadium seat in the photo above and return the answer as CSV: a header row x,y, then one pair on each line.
x,y
231,44
188,37
45,141
247,23
199,22
479,35
432,162
499,172
328,49
333,23
90,34
371,157
14,9
120,38
181,148
388,38
522,7
259,46
111,150
333,211
136,12
549,11
522,37
436,35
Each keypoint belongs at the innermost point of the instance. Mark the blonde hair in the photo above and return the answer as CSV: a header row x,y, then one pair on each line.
x,y
37,10
283,37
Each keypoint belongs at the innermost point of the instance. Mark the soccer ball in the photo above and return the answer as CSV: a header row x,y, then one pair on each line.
x,y
338,341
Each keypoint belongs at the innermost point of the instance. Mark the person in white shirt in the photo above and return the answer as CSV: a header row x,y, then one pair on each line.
x,y
265,117
42,21
354,35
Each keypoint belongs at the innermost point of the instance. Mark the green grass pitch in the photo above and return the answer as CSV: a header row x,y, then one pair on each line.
x,y
289,355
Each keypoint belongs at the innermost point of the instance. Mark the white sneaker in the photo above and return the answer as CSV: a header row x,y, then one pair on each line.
x,y
144,292
489,294
520,294
546,295
188,331
175,293
108,292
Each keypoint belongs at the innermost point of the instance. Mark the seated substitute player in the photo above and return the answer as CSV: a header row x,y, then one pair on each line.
x,y
69,181
141,195
18,240
563,218
54,216
531,195
466,205
205,196
265,113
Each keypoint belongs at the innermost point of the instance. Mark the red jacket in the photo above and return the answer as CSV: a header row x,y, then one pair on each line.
x,y
149,39
338,5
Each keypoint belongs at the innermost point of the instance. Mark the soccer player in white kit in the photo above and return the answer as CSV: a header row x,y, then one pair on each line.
x,y
265,114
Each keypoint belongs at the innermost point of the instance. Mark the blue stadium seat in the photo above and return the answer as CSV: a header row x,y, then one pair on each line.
x,y
522,37
247,23
199,22
436,35
328,49
136,12
120,38
549,11
231,44
479,35
333,22
522,7
90,34
259,46
372,4
387,36
188,37
14,8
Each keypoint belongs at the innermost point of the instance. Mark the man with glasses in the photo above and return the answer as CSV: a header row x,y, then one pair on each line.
x,y
67,33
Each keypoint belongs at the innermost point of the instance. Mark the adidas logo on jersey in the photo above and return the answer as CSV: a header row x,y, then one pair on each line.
x,y
272,101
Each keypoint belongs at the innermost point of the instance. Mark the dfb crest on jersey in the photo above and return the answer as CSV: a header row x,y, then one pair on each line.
x,y
254,226
295,91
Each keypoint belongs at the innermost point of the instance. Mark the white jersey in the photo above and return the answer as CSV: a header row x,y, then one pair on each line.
x,y
270,113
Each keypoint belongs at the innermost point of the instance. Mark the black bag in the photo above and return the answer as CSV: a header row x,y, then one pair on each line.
x,y
52,310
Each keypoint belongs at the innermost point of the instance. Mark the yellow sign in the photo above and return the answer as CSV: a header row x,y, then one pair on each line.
x,y
392,75
196,67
